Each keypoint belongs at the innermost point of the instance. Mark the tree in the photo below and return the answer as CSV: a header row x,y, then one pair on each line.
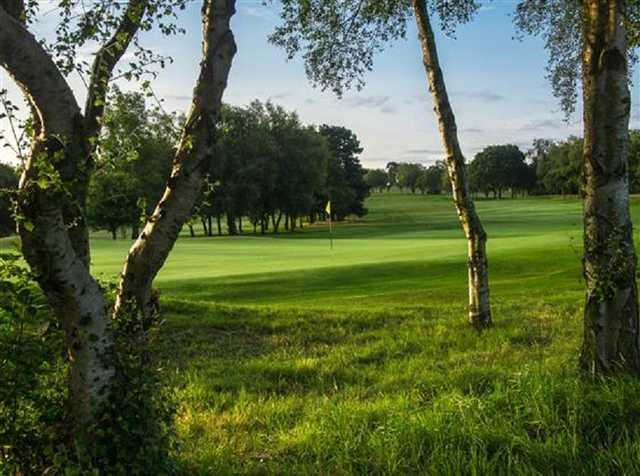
x,y
339,39
136,146
431,179
112,201
591,39
559,167
52,196
407,176
496,168
392,173
195,148
347,188
376,179
8,185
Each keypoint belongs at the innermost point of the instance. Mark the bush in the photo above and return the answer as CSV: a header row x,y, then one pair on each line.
x,y
32,370
135,432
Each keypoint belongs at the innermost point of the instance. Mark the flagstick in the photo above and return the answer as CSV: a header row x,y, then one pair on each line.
x,y
330,233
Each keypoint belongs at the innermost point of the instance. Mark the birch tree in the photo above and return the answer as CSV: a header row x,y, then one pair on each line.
x,y
338,40
588,42
53,188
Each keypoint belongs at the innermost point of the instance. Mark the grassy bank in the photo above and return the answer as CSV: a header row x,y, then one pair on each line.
x,y
288,358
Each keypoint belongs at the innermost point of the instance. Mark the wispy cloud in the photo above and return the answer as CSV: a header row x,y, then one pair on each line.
x,y
382,103
423,152
535,125
484,95
472,130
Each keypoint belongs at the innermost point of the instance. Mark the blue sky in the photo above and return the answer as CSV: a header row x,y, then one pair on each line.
x,y
497,85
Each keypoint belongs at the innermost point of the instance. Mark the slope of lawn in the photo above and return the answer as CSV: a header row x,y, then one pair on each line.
x,y
287,358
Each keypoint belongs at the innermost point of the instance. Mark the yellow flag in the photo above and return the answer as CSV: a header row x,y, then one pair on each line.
x,y
328,209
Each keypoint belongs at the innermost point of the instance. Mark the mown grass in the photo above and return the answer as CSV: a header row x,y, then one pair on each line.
x,y
287,358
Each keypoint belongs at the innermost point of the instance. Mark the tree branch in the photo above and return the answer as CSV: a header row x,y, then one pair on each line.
x,y
105,62
151,249
39,78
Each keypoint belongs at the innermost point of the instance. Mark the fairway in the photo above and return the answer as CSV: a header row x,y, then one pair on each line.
x,y
287,358
409,250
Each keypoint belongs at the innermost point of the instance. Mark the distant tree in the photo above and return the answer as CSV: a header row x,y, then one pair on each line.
x,y
559,168
136,146
497,168
376,179
113,201
346,186
8,184
431,179
392,174
407,176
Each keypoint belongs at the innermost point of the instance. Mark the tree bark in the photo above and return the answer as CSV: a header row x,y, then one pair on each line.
x,y
205,231
232,229
479,307
611,309
149,252
57,251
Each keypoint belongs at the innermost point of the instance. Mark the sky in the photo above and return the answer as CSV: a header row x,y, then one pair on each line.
x,y
497,85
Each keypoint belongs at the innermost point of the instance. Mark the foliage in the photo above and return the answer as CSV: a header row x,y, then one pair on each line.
x,y
32,370
133,162
376,179
268,165
500,167
433,179
346,187
8,184
558,167
560,24
338,39
33,392
135,430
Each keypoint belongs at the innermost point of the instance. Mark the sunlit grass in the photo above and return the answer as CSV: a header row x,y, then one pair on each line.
x,y
287,358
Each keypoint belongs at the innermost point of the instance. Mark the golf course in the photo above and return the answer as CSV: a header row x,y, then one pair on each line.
x,y
284,356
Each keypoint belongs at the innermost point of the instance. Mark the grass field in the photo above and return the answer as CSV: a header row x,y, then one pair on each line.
x,y
288,358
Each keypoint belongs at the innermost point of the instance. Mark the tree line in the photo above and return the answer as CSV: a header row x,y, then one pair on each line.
x,y
277,173
268,171
549,167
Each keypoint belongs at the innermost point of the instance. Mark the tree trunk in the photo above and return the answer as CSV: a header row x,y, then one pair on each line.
x,y
209,227
194,152
192,232
75,296
276,221
479,307
219,223
232,229
205,232
114,234
611,309
240,224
